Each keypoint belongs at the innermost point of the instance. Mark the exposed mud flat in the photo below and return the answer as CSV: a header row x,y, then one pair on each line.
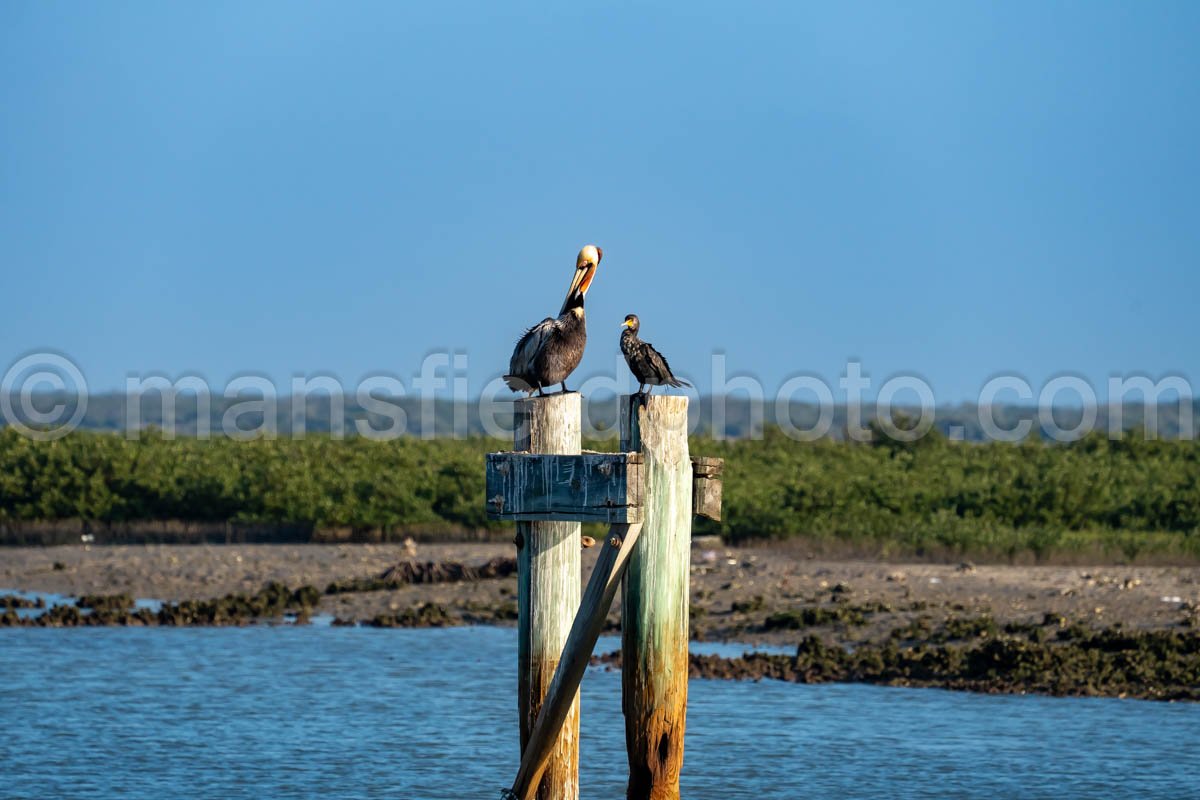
x,y
1117,631
1066,661
274,601
756,594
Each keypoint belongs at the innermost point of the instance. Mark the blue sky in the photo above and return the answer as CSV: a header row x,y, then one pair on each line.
x,y
946,189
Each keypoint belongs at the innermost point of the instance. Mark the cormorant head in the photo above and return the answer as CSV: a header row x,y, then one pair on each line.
x,y
585,269
632,322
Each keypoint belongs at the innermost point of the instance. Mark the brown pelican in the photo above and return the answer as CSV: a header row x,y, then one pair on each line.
x,y
551,350
646,363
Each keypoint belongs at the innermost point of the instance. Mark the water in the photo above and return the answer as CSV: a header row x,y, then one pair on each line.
x,y
318,712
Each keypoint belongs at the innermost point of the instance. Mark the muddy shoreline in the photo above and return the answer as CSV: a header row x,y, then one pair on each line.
x,y
1118,631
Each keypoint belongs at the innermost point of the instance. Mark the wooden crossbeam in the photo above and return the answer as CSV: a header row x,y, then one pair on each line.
x,y
590,487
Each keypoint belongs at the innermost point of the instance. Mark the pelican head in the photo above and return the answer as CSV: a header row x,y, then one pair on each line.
x,y
585,269
632,322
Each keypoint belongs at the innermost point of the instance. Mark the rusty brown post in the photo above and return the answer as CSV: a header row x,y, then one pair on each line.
x,y
654,612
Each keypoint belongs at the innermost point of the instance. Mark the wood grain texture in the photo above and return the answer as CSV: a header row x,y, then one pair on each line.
x,y
654,619
591,487
548,581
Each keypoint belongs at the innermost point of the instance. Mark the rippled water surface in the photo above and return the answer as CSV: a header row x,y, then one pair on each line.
x,y
290,712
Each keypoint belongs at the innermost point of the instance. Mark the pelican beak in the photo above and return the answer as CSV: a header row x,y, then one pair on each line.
x,y
580,283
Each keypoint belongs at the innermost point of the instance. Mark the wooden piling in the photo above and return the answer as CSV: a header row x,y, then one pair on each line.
x,y
548,580
654,613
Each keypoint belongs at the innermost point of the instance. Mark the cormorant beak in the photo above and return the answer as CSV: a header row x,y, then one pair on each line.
x,y
626,323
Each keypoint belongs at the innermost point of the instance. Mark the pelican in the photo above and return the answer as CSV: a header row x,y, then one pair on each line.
x,y
646,363
551,350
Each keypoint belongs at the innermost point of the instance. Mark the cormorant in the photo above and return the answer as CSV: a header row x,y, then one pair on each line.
x,y
551,350
646,363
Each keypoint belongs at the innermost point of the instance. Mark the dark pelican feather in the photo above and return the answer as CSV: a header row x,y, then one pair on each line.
x,y
551,350
647,364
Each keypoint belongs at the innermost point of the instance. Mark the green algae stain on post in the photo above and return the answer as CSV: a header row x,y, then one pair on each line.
x,y
548,589
654,615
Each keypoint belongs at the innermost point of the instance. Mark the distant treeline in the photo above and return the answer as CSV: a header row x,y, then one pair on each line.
x,y
734,417
1125,497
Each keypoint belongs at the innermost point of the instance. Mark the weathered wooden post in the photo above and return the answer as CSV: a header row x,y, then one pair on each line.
x,y
654,606
547,590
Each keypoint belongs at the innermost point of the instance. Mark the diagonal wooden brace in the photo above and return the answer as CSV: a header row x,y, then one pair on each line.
x,y
585,630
